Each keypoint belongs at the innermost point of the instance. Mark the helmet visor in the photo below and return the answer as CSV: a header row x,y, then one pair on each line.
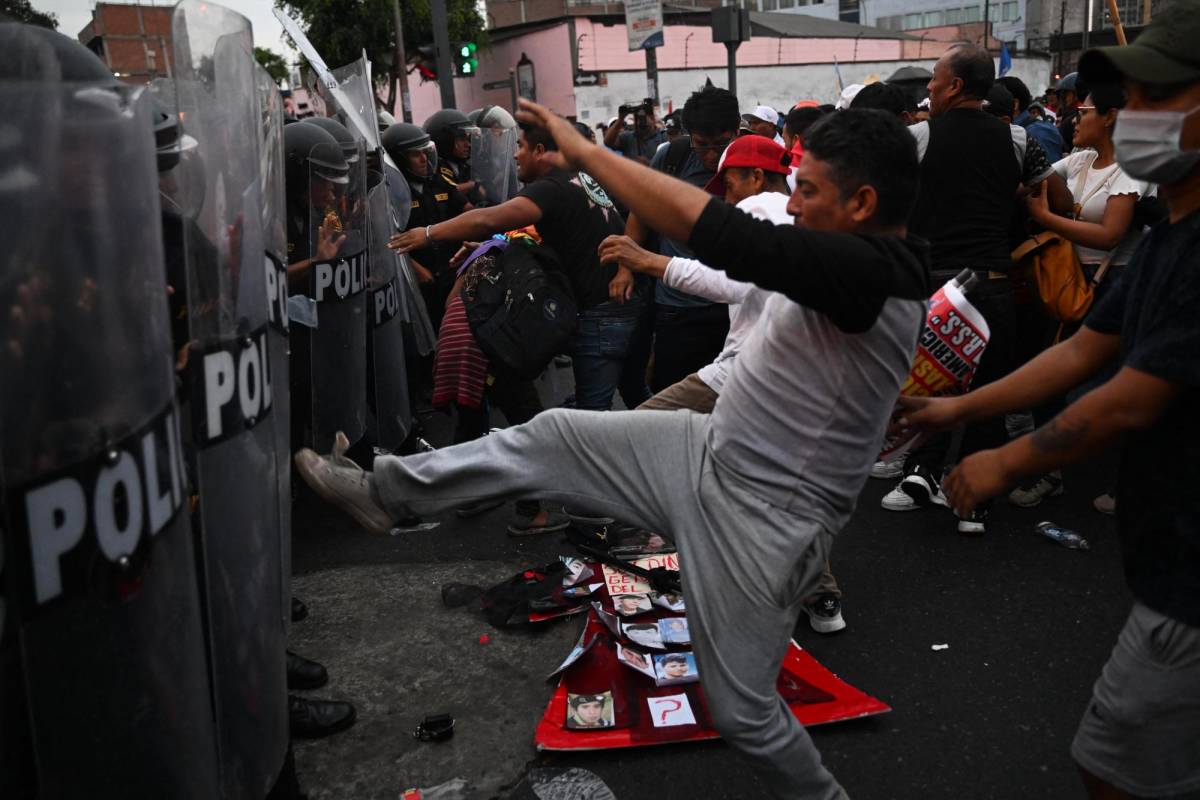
x,y
420,160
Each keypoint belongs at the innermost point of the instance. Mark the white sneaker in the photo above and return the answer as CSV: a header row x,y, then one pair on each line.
x,y
340,481
896,500
888,469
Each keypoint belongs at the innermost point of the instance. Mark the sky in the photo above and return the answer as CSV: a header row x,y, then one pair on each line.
x,y
73,15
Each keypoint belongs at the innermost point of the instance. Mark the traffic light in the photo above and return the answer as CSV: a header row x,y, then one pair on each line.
x,y
465,62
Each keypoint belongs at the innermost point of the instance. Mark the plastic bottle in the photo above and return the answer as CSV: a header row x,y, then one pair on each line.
x,y
966,280
1064,536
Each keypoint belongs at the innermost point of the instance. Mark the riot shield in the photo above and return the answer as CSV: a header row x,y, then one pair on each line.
x,y
387,382
493,164
412,306
102,671
231,392
274,226
338,281
354,81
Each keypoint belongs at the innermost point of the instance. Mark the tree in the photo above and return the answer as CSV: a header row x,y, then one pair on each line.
x,y
342,29
272,62
22,11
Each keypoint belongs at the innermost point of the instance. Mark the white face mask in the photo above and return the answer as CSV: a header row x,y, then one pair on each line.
x,y
1147,145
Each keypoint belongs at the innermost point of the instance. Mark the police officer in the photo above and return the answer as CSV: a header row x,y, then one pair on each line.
x,y
435,198
455,136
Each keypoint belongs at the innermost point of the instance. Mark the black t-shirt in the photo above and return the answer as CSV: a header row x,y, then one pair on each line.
x,y
576,216
1153,307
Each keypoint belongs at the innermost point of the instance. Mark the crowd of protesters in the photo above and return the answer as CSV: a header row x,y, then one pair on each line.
x,y
754,283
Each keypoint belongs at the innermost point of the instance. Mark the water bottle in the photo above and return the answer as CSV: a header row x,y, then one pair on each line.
x,y
1064,536
966,280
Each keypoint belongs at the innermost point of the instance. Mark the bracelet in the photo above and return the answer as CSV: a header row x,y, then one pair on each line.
x,y
428,238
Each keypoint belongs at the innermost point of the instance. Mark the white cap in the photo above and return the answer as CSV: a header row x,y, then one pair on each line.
x,y
848,95
766,114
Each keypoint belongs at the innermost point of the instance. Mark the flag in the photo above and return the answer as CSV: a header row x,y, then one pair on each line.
x,y
1005,59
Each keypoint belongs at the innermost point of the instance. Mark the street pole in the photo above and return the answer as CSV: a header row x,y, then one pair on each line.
x,y
441,44
652,74
1062,24
731,50
400,66
512,87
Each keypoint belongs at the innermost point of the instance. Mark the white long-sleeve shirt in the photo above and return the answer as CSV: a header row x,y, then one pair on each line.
x,y
746,301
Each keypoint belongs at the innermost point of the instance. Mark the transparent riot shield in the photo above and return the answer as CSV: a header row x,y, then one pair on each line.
x,y
387,381
412,307
493,164
274,226
355,98
338,282
103,680
231,392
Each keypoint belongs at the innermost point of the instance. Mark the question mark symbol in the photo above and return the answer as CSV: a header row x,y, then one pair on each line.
x,y
663,717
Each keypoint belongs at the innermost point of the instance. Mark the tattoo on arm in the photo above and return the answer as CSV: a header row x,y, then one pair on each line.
x,y
1059,435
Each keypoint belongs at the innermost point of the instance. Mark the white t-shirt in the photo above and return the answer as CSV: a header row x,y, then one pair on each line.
x,y
746,301
1092,188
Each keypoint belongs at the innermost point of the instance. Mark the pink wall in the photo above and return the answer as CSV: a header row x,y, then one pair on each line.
x,y
550,52
604,48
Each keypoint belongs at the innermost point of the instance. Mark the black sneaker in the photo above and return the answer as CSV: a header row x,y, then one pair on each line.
x,y
973,525
924,489
314,719
825,613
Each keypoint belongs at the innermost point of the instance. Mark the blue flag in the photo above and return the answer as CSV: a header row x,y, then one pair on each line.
x,y
1005,59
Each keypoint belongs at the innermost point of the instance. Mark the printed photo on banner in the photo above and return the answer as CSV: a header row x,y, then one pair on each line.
x,y
636,659
674,630
586,711
671,600
627,605
577,571
671,710
643,633
675,668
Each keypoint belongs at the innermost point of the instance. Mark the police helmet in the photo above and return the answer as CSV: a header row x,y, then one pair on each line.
x,y
311,148
170,142
494,117
31,52
403,138
447,125
384,120
339,132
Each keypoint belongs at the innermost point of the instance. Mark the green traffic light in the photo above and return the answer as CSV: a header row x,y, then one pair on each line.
x,y
471,46
465,51
467,68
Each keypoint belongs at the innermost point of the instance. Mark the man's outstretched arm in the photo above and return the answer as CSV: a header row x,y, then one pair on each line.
x,y
1132,401
474,225
1050,374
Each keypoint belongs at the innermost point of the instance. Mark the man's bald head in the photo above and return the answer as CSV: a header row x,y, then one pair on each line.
x,y
973,65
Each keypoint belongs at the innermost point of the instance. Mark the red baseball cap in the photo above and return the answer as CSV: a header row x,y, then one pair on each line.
x,y
750,151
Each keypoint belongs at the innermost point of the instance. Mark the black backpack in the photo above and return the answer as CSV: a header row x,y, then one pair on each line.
x,y
528,316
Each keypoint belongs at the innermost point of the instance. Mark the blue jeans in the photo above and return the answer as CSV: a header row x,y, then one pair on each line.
x,y
598,352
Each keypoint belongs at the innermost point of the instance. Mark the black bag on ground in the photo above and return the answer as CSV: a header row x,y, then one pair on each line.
x,y
527,317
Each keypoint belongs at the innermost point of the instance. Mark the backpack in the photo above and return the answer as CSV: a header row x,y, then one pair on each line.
x,y
527,316
1061,286
676,155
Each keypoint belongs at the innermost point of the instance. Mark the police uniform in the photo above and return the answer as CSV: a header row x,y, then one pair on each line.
x,y
460,172
435,200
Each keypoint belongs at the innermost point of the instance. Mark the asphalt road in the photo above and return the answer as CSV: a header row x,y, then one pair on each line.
x,y
1028,625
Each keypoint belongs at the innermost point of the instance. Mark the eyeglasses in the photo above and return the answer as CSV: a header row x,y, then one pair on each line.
x,y
1085,109
704,148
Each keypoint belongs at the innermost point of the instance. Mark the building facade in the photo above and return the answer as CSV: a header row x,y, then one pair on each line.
x,y
133,40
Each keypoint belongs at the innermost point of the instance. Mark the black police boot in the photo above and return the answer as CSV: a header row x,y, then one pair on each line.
x,y
303,673
299,610
314,719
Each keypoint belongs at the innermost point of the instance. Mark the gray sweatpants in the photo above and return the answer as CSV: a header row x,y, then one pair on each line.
x,y
746,564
